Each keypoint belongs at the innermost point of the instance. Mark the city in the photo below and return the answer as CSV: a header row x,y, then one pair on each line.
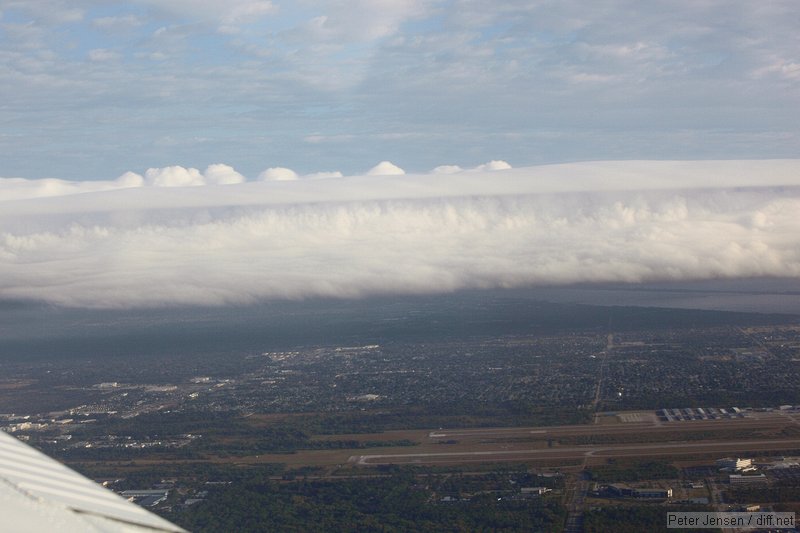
x,y
562,425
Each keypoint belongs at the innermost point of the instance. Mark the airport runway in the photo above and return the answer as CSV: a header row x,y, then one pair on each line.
x,y
579,452
647,422
470,445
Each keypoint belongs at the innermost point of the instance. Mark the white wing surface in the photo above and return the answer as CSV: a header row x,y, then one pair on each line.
x,y
39,494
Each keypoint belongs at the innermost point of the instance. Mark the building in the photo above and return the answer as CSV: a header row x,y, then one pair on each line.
x,y
652,493
534,491
146,498
739,479
621,490
736,464
618,489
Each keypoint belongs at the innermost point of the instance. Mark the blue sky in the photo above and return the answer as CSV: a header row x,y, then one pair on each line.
x,y
92,89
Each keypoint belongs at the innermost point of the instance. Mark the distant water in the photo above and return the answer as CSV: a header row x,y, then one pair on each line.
x,y
750,295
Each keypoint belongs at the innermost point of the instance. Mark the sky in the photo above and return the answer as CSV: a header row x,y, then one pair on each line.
x,y
198,152
91,89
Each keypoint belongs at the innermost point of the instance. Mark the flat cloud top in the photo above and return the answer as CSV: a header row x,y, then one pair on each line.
x,y
128,192
218,240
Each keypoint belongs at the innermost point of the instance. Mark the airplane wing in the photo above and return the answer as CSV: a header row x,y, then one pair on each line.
x,y
39,494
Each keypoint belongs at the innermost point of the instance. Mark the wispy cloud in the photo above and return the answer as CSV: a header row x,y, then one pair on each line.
x,y
348,237
92,91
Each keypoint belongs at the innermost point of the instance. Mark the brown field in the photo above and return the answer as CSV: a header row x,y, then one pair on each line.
x,y
13,384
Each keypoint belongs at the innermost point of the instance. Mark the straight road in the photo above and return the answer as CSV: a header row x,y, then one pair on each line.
x,y
575,504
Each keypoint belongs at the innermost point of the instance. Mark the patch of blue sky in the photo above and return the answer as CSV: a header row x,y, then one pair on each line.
x,y
77,45
434,23
113,10
75,40
547,37
497,31
14,16
210,49
713,59
351,51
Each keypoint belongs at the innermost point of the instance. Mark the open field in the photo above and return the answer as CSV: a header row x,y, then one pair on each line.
x,y
14,384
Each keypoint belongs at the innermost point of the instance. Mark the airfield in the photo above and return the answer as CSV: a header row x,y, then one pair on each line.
x,y
634,434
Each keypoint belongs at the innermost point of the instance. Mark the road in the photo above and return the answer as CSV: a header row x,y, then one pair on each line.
x,y
716,501
575,504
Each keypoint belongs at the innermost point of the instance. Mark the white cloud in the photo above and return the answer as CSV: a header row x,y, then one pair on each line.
x,y
102,54
49,11
493,165
779,67
287,174
178,176
447,169
385,168
227,13
278,174
174,176
248,11
455,169
130,179
117,23
23,189
362,20
588,222
220,174
323,175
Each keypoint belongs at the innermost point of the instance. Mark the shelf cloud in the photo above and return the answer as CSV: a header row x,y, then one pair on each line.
x,y
177,236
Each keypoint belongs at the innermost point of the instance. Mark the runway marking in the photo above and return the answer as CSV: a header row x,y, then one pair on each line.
x,y
479,432
574,451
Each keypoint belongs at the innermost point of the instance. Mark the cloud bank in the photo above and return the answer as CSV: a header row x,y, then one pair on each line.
x,y
180,237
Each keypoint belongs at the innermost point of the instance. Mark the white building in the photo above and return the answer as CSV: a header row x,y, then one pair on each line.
x,y
736,463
